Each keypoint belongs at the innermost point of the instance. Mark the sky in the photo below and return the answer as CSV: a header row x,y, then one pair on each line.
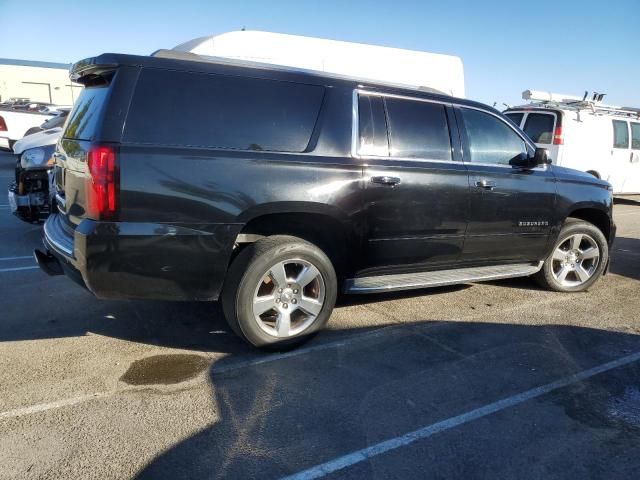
x,y
506,46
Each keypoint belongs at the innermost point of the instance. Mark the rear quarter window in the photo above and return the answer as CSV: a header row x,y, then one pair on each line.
x,y
218,111
515,117
539,127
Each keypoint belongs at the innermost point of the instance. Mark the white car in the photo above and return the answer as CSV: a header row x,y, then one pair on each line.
x,y
586,135
40,139
15,123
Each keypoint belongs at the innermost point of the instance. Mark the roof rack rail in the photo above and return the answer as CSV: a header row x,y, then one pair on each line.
x,y
594,103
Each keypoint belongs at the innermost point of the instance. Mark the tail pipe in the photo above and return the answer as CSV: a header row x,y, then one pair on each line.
x,y
47,263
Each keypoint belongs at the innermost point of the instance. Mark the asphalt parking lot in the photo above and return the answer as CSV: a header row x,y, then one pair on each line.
x,y
497,380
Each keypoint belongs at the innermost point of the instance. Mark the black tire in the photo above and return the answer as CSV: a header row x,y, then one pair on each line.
x,y
573,226
247,272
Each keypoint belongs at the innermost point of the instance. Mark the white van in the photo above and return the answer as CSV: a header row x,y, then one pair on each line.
x,y
585,135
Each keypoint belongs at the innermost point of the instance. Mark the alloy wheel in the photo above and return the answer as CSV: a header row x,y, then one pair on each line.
x,y
575,260
288,298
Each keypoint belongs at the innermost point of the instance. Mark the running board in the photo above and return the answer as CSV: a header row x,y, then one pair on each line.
x,y
408,281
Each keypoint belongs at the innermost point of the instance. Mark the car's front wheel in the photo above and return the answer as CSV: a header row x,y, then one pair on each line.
x,y
577,260
279,291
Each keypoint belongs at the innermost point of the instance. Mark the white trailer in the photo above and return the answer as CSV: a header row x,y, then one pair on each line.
x,y
443,73
585,134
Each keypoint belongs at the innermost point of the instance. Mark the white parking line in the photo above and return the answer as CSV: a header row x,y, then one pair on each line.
x,y
6,259
365,454
42,407
16,269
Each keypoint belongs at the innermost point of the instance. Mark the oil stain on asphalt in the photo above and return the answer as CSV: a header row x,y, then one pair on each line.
x,y
164,369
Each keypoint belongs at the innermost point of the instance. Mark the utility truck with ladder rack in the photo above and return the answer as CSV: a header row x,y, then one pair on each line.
x,y
585,134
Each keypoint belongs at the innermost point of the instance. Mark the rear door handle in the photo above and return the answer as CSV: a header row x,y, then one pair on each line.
x,y
486,184
385,180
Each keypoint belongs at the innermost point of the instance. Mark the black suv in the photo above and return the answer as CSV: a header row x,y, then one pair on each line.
x,y
184,178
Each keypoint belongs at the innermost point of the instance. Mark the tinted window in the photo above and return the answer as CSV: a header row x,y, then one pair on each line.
x,y
620,134
372,127
515,117
197,109
539,127
86,113
635,136
490,139
418,129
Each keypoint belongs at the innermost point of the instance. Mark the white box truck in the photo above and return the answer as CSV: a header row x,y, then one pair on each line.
x,y
443,73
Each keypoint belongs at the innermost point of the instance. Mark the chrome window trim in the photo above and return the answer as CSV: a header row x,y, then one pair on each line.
x,y
355,127
356,122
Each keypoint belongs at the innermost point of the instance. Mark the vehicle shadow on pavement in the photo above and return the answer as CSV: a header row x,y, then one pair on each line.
x,y
626,257
627,201
290,413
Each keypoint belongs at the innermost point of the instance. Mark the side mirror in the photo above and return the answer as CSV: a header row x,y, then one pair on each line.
x,y
541,157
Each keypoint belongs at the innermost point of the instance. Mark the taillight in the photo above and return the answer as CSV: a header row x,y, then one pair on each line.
x,y
101,193
557,136
3,125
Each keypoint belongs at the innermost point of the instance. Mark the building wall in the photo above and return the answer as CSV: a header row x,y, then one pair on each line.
x,y
40,83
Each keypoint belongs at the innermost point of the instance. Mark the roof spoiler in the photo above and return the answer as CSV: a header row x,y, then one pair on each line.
x,y
91,71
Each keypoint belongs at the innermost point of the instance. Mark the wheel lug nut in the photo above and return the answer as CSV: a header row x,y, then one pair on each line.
x,y
277,300
284,305
294,301
295,291
279,290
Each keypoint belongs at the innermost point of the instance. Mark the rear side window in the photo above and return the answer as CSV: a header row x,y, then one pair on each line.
x,y
86,114
418,129
217,111
490,139
372,127
635,136
515,117
620,134
539,127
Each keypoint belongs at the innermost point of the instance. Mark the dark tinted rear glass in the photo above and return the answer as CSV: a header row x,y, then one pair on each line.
x,y
539,127
86,113
197,109
418,129
515,117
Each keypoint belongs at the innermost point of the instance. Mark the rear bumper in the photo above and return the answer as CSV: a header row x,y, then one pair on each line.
x,y
143,260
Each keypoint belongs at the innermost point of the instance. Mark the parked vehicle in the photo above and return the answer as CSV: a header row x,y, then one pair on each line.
x,y
54,122
14,101
15,123
31,194
273,189
443,73
584,134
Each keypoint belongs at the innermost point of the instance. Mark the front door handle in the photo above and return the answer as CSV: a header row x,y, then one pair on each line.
x,y
385,180
486,184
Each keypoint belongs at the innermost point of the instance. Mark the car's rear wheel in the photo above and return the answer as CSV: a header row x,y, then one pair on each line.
x,y
279,291
577,260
